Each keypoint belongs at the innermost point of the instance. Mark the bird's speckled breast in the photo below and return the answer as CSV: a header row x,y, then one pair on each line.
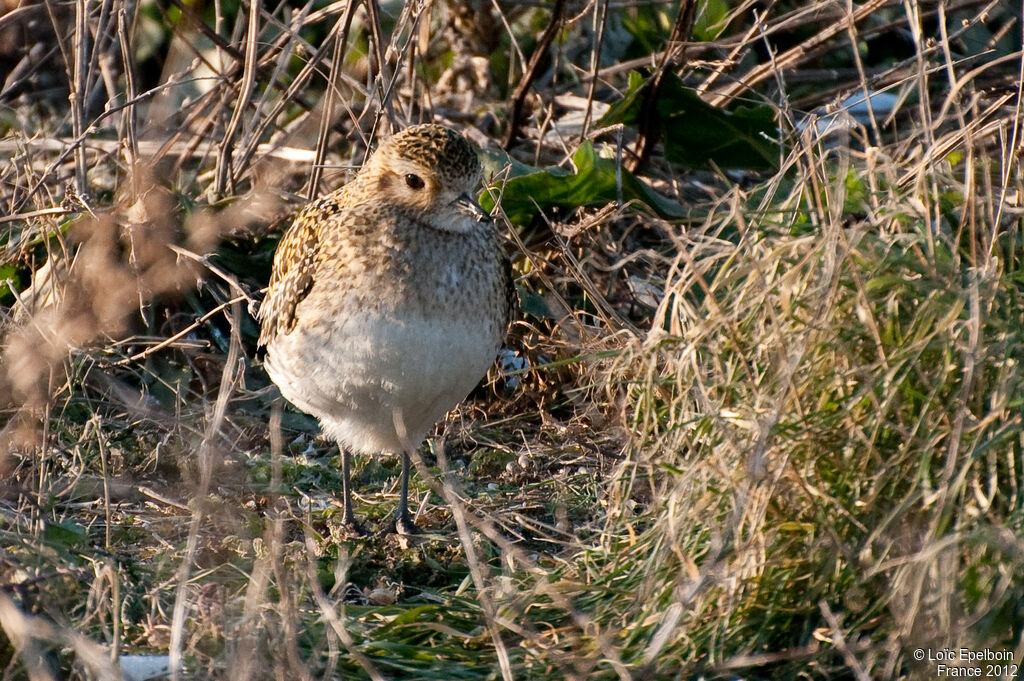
x,y
407,264
406,322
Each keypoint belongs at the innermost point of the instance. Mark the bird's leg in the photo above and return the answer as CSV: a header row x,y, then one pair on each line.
x,y
403,521
348,517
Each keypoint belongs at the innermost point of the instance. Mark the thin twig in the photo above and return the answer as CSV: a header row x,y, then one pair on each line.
x,y
386,109
181,334
301,79
648,129
149,147
839,640
331,95
129,121
244,95
78,91
229,380
789,57
327,611
600,17
33,214
519,94
99,46
254,132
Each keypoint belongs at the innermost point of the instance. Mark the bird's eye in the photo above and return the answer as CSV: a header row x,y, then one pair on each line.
x,y
414,181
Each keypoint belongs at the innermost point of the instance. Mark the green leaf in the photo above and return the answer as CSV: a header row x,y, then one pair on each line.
x,y
649,26
627,109
696,134
712,19
7,273
534,304
65,535
597,181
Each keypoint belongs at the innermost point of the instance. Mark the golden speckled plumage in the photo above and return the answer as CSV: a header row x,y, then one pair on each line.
x,y
389,298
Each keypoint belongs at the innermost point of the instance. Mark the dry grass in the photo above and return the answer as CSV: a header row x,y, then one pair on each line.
x,y
779,438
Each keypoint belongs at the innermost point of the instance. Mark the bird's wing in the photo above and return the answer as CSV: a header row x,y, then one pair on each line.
x,y
511,294
295,262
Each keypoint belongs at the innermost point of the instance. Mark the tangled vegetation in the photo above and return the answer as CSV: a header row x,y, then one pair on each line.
x,y
764,416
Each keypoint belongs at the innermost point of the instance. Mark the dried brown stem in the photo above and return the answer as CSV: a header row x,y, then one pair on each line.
x,y
129,121
244,95
539,52
330,98
790,56
672,57
79,90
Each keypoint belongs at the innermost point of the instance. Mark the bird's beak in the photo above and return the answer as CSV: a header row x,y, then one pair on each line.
x,y
468,205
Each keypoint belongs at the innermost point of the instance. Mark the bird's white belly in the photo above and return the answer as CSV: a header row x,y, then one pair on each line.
x,y
358,375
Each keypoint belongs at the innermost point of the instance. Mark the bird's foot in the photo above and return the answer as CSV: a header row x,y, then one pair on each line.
x,y
353,529
404,525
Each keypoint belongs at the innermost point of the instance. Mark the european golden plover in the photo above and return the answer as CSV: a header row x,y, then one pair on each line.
x,y
389,299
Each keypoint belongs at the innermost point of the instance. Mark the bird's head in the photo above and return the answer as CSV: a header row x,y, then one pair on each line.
x,y
432,170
